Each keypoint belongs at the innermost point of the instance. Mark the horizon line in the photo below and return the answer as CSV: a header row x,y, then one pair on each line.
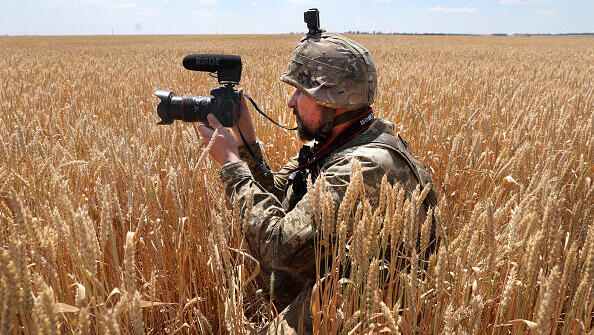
x,y
302,33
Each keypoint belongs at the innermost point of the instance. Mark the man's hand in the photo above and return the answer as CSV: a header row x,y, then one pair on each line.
x,y
224,149
244,123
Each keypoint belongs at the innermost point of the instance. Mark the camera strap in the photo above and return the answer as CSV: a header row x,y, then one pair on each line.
x,y
320,151
311,159
264,114
262,166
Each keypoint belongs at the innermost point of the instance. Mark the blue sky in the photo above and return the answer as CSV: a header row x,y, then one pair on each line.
x,y
100,17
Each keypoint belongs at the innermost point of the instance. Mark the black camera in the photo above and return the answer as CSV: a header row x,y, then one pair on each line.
x,y
225,100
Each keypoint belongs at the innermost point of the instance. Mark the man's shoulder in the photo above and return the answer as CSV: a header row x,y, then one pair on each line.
x,y
370,153
368,147
379,152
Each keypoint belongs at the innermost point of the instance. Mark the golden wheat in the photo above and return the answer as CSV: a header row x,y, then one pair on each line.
x,y
111,224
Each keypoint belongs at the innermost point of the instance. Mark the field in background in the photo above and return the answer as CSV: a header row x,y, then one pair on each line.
x,y
109,223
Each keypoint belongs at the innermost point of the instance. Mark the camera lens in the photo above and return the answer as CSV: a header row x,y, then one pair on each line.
x,y
189,108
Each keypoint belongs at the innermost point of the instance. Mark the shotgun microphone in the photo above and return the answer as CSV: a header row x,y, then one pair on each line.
x,y
227,67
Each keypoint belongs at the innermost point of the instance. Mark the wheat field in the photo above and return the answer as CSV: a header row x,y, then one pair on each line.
x,y
110,224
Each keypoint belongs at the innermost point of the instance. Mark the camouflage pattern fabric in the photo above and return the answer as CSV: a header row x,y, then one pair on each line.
x,y
283,241
334,71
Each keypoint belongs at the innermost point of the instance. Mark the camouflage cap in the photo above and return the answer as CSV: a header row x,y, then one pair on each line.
x,y
333,70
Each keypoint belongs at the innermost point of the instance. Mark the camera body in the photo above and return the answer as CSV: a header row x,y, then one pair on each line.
x,y
225,100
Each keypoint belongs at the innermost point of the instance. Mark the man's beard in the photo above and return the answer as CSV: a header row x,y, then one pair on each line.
x,y
304,133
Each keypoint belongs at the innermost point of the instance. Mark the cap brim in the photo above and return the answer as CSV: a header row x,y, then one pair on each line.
x,y
288,80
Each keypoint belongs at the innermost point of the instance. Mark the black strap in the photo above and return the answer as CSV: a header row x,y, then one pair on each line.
x,y
339,119
348,116
357,126
264,114
364,116
245,143
391,142
262,166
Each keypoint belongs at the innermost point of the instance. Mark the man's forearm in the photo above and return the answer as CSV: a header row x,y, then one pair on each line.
x,y
259,168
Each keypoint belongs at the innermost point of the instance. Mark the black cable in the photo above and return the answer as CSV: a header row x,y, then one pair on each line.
x,y
263,114
245,143
261,165
345,135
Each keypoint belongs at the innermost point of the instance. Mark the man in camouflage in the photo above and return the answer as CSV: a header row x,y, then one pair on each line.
x,y
335,84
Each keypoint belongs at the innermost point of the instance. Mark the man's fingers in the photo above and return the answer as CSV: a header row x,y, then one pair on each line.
x,y
205,132
214,122
244,104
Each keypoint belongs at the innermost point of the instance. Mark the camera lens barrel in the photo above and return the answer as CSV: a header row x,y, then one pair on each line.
x,y
192,108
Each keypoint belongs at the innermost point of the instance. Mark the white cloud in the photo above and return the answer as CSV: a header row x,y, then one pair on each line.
x,y
548,12
207,2
382,1
521,2
202,13
447,10
125,5
299,1
148,12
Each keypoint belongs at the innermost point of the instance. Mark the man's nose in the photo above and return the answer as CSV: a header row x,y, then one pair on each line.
x,y
292,103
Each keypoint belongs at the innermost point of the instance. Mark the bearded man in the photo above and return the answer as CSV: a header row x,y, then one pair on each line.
x,y
335,85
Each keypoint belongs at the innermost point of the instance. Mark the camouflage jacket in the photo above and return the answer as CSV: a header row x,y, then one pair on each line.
x,y
282,240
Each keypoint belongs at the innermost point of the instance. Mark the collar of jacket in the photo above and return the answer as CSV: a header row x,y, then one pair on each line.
x,y
377,127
